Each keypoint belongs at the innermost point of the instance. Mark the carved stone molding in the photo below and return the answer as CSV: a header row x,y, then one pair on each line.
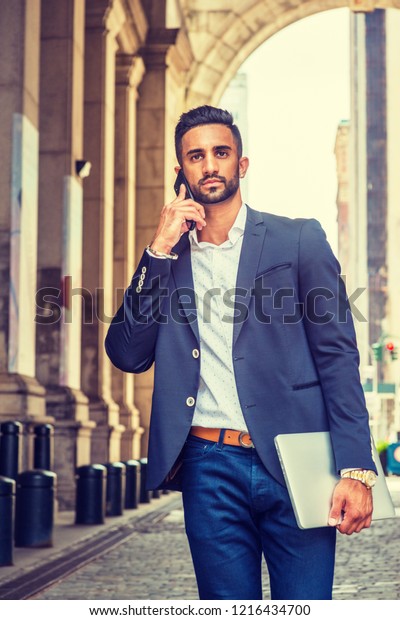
x,y
130,70
125,20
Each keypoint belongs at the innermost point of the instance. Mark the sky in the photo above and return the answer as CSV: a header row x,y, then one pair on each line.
x,y
298,92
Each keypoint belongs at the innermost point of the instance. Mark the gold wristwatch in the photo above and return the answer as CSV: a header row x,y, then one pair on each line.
x,y
366,476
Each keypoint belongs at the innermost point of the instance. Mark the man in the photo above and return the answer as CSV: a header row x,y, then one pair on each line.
x,y
247,322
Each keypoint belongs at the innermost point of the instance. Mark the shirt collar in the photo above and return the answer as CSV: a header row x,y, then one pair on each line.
x,y
234,234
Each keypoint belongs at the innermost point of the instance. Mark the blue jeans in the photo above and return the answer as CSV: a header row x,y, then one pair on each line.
x,y
234,512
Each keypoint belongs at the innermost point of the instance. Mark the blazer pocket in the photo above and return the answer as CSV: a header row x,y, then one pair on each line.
x,y
305,386
273,269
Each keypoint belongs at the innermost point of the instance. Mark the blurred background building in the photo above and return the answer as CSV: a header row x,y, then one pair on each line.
x,y
90,95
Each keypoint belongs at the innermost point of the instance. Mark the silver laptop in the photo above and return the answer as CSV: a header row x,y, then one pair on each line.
x,y
309,470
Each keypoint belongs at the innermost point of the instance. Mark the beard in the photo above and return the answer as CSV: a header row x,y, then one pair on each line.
x,y
216,194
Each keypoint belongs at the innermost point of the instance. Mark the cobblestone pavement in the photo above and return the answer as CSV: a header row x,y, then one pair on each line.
x,y
154,564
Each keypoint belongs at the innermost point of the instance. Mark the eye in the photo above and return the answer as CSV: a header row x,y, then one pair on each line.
x,y
196,157
221,153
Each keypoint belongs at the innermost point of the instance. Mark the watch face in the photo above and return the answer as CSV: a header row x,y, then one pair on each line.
x,y
370,478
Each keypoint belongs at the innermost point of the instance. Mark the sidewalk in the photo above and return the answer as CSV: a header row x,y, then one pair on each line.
x,y
69,539
149,531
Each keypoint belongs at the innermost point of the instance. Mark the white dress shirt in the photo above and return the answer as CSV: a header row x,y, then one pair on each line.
x,y
214,270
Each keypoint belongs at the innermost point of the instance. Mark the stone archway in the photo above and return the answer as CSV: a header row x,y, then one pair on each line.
x,y
224,33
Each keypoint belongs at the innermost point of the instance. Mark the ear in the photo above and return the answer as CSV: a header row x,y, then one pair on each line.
x,y
177,168
243,166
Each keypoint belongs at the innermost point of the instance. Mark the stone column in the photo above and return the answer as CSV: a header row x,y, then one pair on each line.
x,y
129,74
377,196
21,396
368,211
60,237
98,218
358,272
167,57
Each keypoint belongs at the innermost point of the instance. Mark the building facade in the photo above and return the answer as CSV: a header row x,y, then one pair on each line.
x,y
367,159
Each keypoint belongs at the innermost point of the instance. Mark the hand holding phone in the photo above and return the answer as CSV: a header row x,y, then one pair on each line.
x,y
181,179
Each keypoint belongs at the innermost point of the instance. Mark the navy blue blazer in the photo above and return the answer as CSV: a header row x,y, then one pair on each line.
x,y
294,349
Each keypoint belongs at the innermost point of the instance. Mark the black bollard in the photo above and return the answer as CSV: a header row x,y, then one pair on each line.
x,y
145,497
34,508
43,447
7,501
90,505
132,483
115,489
10,449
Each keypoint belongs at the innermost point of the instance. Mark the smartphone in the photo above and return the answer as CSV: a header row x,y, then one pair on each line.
x,y
177,186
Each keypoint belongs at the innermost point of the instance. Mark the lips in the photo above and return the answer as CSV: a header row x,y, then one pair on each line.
x,y
211,181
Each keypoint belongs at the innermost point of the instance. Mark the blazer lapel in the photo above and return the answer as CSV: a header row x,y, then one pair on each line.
x,y
253,241
183,276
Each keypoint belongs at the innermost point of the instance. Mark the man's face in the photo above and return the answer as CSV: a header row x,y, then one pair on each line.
x,y
210,163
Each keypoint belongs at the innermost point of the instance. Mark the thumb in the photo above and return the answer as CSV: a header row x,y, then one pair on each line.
x,y
336,510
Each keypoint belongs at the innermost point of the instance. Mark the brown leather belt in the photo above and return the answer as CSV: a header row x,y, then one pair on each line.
x,y
231,438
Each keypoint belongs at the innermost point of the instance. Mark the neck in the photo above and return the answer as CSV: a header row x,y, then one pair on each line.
x,y
220,218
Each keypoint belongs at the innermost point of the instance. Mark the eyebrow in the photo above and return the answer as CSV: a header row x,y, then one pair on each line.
x,y
224,147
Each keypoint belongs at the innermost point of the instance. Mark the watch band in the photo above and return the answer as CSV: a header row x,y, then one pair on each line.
x,y
365,476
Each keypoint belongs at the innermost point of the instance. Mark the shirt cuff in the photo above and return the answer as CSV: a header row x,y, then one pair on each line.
x,y
162,255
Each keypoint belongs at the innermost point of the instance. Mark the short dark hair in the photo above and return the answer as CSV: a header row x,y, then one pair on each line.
x,y
205,115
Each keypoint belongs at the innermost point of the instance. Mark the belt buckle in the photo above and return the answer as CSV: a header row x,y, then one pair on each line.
x,y
245,445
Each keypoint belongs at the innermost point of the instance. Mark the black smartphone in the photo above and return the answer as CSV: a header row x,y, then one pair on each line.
x,y
177,186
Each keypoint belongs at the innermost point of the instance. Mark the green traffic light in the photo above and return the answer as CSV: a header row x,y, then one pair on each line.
x,y
377,351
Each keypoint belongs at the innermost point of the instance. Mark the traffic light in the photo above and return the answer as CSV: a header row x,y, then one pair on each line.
x,y
377,351
391,347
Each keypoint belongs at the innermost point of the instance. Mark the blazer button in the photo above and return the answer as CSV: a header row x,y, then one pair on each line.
x,y
196,353
190,401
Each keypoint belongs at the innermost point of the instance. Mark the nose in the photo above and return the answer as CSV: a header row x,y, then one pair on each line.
x,y
210,164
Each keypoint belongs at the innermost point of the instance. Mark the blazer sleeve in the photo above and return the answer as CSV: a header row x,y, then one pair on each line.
x,y
332,340
131,338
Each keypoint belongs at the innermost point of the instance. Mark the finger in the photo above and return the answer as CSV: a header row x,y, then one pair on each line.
x,y
354,529
185,225
191,213
336,510
364,525
182,192
346,527
354,523
188,202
